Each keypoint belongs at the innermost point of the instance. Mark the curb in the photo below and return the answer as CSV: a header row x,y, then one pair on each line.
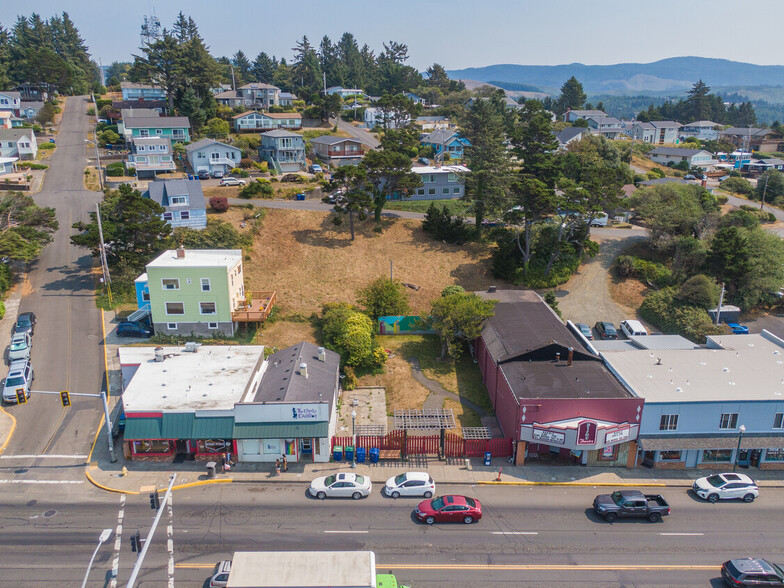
x,y
179,487
106,488
578,484
10,433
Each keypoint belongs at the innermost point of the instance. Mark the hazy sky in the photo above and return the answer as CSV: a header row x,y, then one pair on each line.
x,y
454,33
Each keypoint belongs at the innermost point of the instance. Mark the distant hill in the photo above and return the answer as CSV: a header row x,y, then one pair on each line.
x,y
675,74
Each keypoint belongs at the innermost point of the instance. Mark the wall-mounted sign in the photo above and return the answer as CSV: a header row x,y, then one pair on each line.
x,y
304,413
608,452
546,436
586,433
617,436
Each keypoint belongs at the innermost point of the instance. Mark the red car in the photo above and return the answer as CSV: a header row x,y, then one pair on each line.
x,y
449,509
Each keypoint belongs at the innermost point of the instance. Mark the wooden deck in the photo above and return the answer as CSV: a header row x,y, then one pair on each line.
x,y
258,310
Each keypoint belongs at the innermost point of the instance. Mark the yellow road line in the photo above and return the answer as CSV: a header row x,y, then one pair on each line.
x,y
102,487
106,368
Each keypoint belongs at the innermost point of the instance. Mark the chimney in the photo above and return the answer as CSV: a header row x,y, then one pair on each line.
x,y
322,354
180,252
571,356
159,356
303,370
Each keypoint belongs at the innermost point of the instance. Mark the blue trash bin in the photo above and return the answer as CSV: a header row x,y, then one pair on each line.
x,y
337,452
488,457
360,455
300,197
374,452
349,453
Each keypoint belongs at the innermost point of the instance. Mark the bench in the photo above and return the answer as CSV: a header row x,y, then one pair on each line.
x,y
389,454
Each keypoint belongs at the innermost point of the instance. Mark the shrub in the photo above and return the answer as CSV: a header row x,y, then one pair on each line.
x,y
700,291
115,169
441,225
219,203
552,301
258,189
244,173
350,333
673,316
2,310
46,146
293,178
30,165
91,111
650,272
655,173
721,199
452,289
384,297
737,186
246,163
235,171
260,165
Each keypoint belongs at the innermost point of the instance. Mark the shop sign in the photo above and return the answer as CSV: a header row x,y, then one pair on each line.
x,y
215,445
608,452
586,433
548,437
303,413
617,436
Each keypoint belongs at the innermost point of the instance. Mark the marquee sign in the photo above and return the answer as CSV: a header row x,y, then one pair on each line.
x,y
617,436
586,433
546,436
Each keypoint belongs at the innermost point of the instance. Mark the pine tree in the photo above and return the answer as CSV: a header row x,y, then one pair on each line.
x,y
572,96
242,67
263,68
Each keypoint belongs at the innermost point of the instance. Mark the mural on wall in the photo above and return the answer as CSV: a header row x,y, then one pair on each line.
x,y
403,325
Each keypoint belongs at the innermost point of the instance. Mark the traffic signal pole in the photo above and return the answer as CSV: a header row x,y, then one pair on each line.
x,y
138,566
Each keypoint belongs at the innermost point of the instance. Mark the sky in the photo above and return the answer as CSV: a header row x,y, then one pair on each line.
x,y
454,33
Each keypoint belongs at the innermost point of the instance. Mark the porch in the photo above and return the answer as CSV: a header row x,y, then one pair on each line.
x,y
257,311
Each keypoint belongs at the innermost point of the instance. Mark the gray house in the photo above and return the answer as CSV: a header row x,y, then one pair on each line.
x,y
283,150
212,156
183,201
150,156
439,183
656,132
674,155
571,134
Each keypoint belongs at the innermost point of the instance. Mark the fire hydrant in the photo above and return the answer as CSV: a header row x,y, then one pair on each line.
x,y
124,471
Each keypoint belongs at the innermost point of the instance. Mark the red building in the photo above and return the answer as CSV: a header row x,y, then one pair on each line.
x,y
550,393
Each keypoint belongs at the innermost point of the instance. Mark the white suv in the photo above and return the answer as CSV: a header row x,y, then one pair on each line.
x,y
21,344
632,328
726,486
20,377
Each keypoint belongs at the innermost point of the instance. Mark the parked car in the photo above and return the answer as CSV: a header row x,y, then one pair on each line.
x,y
600,221
316,168
217,173
689,177
632,328
231,181
725,487
20,377
343,485
752,571
723,178
630,504
606,330
449,509
21,345
738,329
25,323
133,329
204,174
585,330
220,576
410,484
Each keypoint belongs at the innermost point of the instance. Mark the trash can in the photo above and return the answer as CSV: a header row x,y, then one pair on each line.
x,y
190,177
349,453
360,455
374,452
488,457
337,452
300,197
211,469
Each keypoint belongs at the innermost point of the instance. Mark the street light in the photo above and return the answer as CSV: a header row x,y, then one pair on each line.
x,y
105,534
353,439
98,153
741,430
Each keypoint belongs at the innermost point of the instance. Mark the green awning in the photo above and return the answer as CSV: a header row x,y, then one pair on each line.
x,y
280,430
143,428
213,428
177,425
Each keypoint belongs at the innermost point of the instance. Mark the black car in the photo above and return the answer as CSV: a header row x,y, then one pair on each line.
x,y
752,571
204,174
133,329
25,323
606,330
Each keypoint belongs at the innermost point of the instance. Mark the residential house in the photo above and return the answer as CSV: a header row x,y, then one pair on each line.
x,y
606,126
756,166
345,92
182,200
212,156
431,123
265,121
220,88
134,91
415,98
337,150
36,92
254,95
283,150
754,139
158,107
18,142
674,155
30,109
150,156
708,407
573,115
7,165
656,132
439,183
285,404
704,130
6,117
287,99
571,135
374,116
10,101
176,128
233,98
552,395
446,142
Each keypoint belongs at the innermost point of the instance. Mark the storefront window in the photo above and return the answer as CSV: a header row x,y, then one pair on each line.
x,y
151,446
670,456
776,454
608,453
715,455
214,446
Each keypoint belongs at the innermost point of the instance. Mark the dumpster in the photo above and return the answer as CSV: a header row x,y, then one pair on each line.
x,y
211,469
337,452
300,197
349,453
374,452
488,457
360,455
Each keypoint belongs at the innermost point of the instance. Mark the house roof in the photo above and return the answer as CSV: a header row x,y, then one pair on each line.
x,y
702,124
280,133
771,161
15,134
746,131
332,140
162,191
258,86
205,143
282,114
13,95
36,104
588,112
127,113
444,169
442,136
151,141
165,122
659,181
605,120
644,125
151,104
666,124
677,151
229,94
281,381
290,95
569,133
433,119
227,258
136,86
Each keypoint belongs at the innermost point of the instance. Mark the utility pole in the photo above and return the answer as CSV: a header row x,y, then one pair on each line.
x,y
721,301
764,190
137,568
391,269
107,279
324,74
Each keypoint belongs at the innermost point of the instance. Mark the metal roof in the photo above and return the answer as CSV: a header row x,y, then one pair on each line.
x,y
662,342
177,425
279,430
213,428
142,428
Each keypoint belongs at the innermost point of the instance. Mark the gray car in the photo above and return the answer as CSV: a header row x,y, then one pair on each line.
x,y
21,345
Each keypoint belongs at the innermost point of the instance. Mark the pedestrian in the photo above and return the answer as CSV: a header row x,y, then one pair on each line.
x,y
277,467
285,463
222,463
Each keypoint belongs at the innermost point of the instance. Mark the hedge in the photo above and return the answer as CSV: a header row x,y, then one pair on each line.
x,y
662,310
650,272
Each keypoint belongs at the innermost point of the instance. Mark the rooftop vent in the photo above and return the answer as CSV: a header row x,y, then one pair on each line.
x,y
322,354
180,252
159,356
192,346
303,370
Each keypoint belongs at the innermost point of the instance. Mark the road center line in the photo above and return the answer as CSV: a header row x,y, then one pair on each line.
x,y
359,532
514,533
117,543
682,534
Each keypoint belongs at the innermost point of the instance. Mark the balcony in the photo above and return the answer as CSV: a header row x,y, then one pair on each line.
x,y
257,311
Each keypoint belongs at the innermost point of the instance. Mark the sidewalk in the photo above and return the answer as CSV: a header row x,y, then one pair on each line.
x,y
8,422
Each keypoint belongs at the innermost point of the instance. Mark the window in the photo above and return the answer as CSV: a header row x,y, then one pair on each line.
x,y
205,285
668,422
776,454
445,190
452,178
185,215
171,326
159,131
167,216
207,308
716,455
177,200
170,283
421,191
778,421
455,190
670,455
144,132
212,326
431,191
201,154
175,308
215,155
729,420
145,296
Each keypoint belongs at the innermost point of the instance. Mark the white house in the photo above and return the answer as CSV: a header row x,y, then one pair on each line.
x,y
344,92
10,101
704,130
212,156
573,115
674,155
439,183
18,142
375,116
656,132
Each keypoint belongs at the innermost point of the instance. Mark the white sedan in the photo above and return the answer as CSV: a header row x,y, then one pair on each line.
x,y
230,181
411,484
726,486
343,485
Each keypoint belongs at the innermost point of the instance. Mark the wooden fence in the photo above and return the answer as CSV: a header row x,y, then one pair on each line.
x,y
454,445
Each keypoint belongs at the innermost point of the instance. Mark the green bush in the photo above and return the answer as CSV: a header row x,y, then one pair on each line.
x,y
46,146
650,272
384,297
5,280
721,199
258,189
441,225
350,333
655,173
2,309
560,273
737,186
115,169
662,310
699,290
30,165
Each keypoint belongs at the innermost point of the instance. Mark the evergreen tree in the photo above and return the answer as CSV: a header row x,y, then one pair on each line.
x,y
698,106
306,72
263,69
572,96
190,106
242,67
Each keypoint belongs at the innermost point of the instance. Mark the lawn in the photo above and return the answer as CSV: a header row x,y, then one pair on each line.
x,y
456,207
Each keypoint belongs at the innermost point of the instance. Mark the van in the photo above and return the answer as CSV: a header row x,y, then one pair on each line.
x,y
633,328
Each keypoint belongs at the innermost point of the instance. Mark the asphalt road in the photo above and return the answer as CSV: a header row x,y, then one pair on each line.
x,y
366,137
529,536
66,346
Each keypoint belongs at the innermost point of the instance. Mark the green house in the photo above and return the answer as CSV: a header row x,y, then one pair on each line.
x,y
176,128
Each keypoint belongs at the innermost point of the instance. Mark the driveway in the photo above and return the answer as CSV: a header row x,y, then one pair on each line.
x,y
366,137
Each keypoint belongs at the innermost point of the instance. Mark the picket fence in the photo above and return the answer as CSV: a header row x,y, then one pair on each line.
x,y
454,445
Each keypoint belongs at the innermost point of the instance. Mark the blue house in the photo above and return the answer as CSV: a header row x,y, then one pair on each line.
x,y
183,201
283,150
134,91
446,141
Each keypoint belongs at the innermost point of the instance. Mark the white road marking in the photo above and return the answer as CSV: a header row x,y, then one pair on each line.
x,y
514,533
47,456
41,481
682,534
359,532
118,542
170,541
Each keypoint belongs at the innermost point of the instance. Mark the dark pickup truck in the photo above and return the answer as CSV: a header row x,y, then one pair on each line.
x,y
630,503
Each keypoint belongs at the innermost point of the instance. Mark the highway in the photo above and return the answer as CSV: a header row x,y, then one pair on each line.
x,y
529,536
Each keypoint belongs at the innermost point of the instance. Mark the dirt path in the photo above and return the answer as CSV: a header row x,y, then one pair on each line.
x,y
586,297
